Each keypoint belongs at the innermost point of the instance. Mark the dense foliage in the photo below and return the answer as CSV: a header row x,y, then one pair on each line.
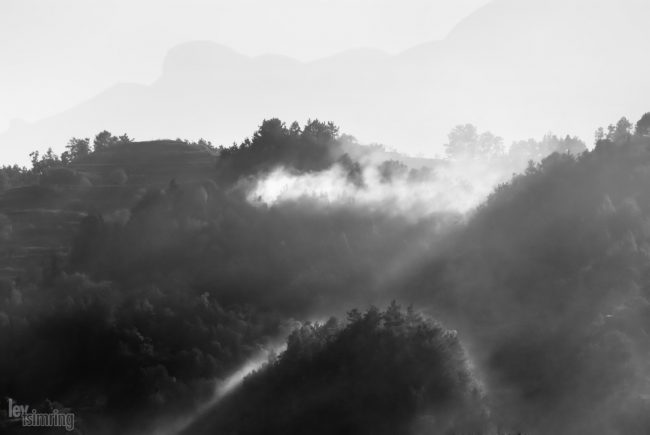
x,y
549,279
315,147
295,258
165,287
381,372
119,357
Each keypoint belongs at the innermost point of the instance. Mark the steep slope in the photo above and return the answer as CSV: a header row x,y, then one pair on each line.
x,y
549,284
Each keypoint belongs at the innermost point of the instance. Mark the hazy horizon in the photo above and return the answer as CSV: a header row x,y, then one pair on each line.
x,y
91,45
502,65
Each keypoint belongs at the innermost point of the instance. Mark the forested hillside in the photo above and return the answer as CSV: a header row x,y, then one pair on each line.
x,y
379,372
136,275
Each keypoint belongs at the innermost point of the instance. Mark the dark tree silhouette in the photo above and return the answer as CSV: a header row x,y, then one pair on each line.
x,y
76,149
643,125
384,372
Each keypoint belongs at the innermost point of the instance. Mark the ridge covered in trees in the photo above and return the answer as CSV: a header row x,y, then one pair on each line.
x,y
379,372
168,281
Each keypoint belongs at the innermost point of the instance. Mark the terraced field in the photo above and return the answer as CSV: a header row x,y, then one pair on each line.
x,y
38,222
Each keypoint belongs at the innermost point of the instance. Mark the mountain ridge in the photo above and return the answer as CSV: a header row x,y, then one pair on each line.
x,y
408,101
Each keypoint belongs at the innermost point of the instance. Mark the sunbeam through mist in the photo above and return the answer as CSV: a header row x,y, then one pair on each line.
x,y
222,388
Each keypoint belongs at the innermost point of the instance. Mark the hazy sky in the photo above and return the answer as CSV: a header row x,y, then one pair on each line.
x,y
54,54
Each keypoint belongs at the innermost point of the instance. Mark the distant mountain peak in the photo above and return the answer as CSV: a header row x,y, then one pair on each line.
x,y
201,56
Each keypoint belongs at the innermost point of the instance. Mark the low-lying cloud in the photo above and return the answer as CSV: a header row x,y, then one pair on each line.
x,y
418,192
